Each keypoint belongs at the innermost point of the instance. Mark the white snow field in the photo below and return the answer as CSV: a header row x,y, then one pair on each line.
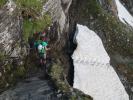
x,y
123,14
92,72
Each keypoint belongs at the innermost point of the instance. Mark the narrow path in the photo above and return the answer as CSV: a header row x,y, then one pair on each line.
x,y
34,88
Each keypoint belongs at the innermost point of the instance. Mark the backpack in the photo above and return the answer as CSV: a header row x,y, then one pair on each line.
x,y
40,48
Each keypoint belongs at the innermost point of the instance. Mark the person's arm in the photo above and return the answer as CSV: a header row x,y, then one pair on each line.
x,y
47,48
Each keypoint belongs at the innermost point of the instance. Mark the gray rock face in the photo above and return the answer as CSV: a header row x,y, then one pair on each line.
x,y
11,42
10,36
10,31
31,89
64,13
108,5
12,49
58,10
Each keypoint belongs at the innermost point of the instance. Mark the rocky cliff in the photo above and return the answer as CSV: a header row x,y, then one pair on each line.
x,y
62,17
12,49
19,21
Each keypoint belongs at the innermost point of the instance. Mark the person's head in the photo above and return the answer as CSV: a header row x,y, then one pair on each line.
x,y
43,38
43,34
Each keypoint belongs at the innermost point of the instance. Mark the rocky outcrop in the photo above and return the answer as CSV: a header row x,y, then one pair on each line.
x,y
108,5
10,30
12,49
113,33
117,38
59,42
58,9
128,4
13,44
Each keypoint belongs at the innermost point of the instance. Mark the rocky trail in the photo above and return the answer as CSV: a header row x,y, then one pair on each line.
x,y
33,88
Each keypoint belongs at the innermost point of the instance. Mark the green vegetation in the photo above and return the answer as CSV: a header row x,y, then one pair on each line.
x,y
34,21
2,57
117,35
89,8
57,74
30,5
10,75
27,29
42,23
109,1
2,2
58,77
20,72
80,96
35,25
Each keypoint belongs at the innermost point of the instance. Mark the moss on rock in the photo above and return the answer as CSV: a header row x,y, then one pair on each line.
x,y
78,95
57,75
33,20
11,73
35,25
2,2
29,5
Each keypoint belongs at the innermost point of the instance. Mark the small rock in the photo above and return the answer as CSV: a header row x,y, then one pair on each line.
x,y
132,89
7,84
0,74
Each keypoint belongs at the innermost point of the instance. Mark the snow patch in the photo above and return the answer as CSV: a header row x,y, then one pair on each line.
x,y
93,73
123,14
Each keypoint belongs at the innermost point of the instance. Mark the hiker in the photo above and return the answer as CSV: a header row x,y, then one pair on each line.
x,y
42,50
